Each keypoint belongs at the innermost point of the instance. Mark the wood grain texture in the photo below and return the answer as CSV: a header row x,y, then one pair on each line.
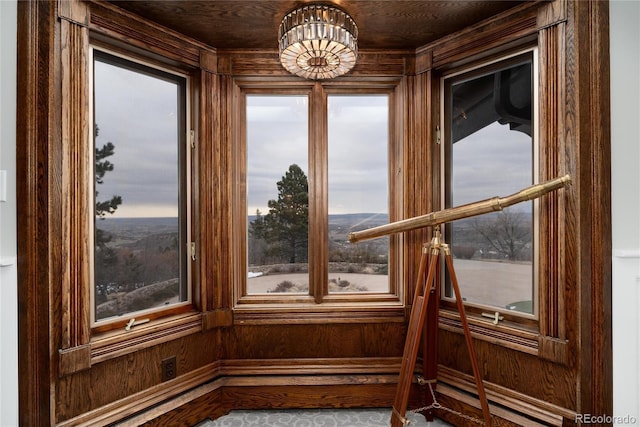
x,y
35,88
116,387
148,37
520,372
551,98
575,324
229,24
591,41
76,158
203,169
516,27
303,341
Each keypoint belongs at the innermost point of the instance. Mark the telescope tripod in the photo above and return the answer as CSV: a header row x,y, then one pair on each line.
x,y
423,305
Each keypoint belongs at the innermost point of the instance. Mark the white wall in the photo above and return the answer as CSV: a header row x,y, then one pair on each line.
x,y
625,176
8,278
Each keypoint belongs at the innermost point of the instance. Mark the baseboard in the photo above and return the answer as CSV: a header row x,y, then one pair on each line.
x,y
216,389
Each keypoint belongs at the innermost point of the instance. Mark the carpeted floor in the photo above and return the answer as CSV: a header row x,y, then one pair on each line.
x,y
378,417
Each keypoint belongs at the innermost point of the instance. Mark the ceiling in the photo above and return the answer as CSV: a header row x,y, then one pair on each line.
x,y
382,24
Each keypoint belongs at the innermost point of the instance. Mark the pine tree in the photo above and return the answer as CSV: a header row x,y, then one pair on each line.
x,y
286,227
105,257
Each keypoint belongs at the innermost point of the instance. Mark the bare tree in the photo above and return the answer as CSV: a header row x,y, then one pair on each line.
x,y
507,232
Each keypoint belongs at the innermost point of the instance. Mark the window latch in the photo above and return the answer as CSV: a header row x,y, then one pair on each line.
x,y
495,316
193,251
192,138
134,322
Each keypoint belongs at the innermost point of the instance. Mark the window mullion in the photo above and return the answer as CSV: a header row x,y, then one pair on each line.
x,y
318,197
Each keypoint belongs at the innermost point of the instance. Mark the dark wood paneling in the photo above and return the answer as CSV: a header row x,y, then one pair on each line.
x,y
113,387
336,396
321,340
35,91
122,377
521,372
588,44
210,405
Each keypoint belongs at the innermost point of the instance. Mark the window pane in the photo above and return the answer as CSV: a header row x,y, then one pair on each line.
x,y
140,229
358,191
491,154
277,194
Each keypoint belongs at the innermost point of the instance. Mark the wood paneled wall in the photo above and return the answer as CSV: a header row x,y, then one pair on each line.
x,y
71,376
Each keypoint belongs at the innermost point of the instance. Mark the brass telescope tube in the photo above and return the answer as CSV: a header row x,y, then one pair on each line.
x,y
465,211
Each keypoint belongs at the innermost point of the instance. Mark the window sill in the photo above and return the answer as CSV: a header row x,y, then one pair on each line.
x,y
310,313
509,335
120,342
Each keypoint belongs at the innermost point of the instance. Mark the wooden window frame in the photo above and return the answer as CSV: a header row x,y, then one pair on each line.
x,y
319,306
111,338
521,320
545,337
184,196
99,25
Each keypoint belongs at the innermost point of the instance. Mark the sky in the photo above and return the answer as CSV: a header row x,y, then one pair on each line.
x,y
494,161
138,114
277,136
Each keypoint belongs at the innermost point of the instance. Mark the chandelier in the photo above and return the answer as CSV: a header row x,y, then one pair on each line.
x,y
318,42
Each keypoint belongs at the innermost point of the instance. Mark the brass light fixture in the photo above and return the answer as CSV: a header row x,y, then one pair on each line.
x,y
318,42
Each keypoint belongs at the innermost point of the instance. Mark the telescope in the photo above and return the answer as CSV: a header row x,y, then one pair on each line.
x,y
464,211
430,284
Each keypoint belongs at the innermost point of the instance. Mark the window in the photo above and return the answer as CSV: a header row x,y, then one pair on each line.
x,y
141,230
313,175
277,194
490,150
358,191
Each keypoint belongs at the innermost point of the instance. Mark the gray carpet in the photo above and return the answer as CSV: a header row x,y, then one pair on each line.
x,y
378,417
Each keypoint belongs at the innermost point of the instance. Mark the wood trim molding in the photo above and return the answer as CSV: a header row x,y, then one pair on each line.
x,y
589,34
74,359
553,349
76,173
552,13
208,61
75,11
552,143
367,312
310,366
110,21
35,92
265,63
204,171
145,399
217,319
298,373
509,337
119,343
518,25
514,400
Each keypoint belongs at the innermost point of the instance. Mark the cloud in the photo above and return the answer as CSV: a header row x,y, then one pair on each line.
x,y
494,161
138,114
277,136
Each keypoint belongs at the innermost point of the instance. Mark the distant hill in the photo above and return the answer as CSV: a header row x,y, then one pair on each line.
x,y
352,222
138,226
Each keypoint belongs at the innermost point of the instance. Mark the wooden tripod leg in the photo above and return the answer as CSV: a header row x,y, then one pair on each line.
x,y
414,332
430,346
467,335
